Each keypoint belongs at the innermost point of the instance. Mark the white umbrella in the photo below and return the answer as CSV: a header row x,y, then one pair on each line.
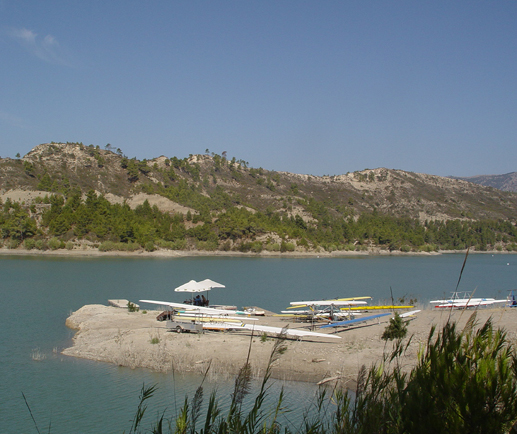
x,y
191,286
209,284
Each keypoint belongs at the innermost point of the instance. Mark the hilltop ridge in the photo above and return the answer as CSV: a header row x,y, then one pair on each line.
x,y
210,202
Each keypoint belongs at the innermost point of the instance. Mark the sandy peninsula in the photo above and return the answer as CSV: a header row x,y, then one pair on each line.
x,y
136,339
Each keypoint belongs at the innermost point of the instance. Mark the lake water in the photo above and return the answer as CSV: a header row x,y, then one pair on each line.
x,y
73,395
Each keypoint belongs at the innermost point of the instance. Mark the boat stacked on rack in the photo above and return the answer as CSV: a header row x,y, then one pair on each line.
x,y
198,316
185,317
331,310
461,300
340,312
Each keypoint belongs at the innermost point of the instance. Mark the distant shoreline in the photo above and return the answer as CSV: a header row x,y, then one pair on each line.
x,y
92,252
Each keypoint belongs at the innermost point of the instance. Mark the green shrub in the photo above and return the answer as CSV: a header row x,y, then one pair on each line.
x,y
54,243
243,247
329,247
226,246
172,245
129,247
131,307
162,244
29,244
256,246
287,247
273,247
180,245
303,243
108,246
13,244
209,246
465,381
41,245
396,329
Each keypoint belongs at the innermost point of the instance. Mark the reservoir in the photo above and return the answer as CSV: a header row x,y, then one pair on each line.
x,y
73,395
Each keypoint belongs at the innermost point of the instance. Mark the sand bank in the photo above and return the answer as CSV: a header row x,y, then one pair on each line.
x,y
87,250
114,335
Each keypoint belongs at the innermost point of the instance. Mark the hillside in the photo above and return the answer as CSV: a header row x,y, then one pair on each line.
x,y
52,167
220,201
506,182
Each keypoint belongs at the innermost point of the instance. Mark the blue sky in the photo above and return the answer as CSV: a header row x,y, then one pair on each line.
x,y
317,87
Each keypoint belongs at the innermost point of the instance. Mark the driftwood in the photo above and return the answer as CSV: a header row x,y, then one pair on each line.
x,y
326,380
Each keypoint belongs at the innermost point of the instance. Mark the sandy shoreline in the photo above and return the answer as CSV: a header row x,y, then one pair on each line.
x,y
163,253
114,335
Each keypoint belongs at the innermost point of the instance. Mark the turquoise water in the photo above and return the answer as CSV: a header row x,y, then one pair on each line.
x,y
38,293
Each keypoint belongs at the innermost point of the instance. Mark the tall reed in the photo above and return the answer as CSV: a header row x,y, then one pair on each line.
x,y
464,381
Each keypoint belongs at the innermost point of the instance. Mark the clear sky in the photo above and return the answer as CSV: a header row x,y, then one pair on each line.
x,y
320,87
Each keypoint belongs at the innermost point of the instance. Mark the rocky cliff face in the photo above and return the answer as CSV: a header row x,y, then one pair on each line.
x,y
56,167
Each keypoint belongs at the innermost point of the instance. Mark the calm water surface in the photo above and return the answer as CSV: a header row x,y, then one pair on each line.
x,y
75,395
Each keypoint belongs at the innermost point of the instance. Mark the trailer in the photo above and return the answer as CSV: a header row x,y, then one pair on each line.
x,y
184,326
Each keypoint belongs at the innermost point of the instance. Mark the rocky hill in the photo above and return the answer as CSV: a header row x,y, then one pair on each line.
x,y
73,193
58,166
506,182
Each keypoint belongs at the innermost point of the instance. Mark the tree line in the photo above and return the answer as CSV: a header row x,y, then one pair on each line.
x,y
217,223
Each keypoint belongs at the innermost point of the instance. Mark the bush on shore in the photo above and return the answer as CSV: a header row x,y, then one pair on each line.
x,y
109,246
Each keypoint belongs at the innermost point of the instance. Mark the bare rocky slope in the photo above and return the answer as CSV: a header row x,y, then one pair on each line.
x,y
56,167
505,182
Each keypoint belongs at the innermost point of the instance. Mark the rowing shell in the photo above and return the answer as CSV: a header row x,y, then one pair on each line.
x,y
354,321
296,304
376,307
366,318
196,309
278,330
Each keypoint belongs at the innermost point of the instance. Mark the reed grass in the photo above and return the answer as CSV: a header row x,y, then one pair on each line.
x,y
465,381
